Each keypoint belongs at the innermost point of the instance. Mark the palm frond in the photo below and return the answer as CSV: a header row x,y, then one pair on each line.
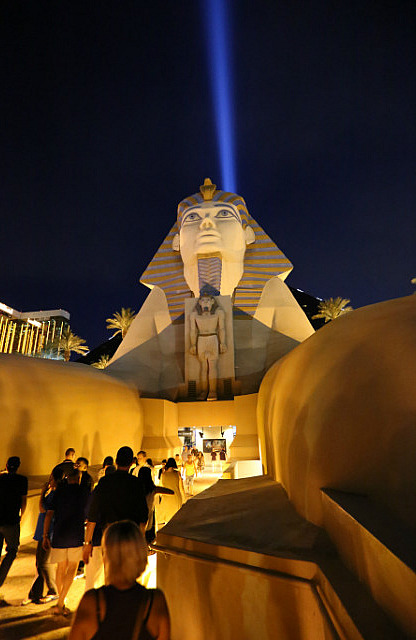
x,y
102,362
332,308
121,321
69,342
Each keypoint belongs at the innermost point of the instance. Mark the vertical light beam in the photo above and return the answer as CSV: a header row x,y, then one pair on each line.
x,y
219,46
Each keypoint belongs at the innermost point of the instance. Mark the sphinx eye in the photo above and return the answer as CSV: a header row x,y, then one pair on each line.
x,y
191,217
224,213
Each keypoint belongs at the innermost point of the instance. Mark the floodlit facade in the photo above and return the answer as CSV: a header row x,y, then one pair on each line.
x,y
31,333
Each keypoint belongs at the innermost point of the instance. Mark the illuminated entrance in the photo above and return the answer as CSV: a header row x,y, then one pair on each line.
x,y
208,438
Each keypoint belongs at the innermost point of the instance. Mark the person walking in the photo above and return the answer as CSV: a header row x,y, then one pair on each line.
x,y
141,462
200,461
150,489
108,462
68,463
46,570
190,472
118,496
86,478
68,509
122,609
170,504
179,463
13,499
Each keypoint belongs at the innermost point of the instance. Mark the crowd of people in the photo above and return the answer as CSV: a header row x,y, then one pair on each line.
x,y
102,532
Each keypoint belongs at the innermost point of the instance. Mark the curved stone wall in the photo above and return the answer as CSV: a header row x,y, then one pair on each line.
x,y
47,406
339,411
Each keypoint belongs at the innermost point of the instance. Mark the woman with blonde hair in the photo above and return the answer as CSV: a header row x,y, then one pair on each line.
x,y
122,609
171,479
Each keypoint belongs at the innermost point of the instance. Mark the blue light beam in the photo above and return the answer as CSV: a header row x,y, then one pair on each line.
x,y
219,46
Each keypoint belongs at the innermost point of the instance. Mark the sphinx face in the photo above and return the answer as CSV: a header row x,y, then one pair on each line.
x,y
212,228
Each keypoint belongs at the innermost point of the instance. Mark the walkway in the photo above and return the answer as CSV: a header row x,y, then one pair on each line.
x,y
33,621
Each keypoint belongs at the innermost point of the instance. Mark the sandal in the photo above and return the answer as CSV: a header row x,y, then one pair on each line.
x,y
57,611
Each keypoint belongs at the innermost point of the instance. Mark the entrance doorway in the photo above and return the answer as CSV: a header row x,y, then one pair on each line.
x,y
208,438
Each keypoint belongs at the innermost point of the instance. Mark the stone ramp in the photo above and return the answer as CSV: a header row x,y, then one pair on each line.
x,y
252,514
250,557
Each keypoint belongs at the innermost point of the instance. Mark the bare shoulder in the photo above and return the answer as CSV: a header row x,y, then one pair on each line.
x,y
159,600
85,621
159,621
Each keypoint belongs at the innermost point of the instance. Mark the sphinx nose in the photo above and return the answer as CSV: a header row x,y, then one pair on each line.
x,y
207,222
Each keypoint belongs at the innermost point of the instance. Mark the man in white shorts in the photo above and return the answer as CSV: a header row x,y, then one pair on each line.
x,y
68,507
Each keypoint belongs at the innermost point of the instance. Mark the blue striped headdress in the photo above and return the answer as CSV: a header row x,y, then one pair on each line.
x,y
262,260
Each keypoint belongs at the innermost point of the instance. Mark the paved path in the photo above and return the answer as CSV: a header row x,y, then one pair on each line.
x,y
35,622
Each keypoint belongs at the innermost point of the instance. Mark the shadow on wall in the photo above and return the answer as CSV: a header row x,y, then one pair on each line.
x,y
19,443
96,449
48,406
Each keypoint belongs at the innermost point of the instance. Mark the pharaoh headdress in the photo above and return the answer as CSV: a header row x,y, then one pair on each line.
x,y
262,259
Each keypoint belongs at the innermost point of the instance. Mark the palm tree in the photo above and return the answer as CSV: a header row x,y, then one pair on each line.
x,y
121,321
102,362
332,308
69,342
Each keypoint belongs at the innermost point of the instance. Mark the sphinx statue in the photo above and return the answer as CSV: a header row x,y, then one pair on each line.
x,y
216,246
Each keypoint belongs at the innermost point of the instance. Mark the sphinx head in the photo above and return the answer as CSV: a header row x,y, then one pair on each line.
x,y
213,223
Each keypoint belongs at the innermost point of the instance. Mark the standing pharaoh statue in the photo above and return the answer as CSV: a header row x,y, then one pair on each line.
x,y
215,245
207,337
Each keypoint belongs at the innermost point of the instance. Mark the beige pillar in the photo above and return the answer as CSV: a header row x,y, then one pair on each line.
x,y
245,445
160,439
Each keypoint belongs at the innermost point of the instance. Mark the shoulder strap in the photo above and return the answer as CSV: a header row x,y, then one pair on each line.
x,y
150,602
142,614
99,596
97,606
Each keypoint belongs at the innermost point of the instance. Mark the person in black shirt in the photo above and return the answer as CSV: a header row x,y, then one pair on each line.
x,y
86,478
68,464
118,496
68,509
13,497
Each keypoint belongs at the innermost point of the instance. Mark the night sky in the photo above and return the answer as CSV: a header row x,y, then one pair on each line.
x,y
107,123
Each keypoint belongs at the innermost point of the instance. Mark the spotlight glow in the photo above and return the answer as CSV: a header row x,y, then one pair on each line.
x,y
219,47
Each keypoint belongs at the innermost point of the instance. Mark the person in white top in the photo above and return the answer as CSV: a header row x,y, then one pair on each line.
x,y
141,462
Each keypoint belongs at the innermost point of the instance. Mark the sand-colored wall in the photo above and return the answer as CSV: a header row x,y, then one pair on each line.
x,y
245,445
205,414
215,601
47,406
160,439
339,411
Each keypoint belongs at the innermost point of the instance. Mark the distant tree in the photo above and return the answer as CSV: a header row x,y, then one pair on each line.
x,y
413,281
332,308
102,362
121,321
69,342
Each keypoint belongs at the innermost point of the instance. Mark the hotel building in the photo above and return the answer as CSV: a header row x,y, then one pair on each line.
x,y
32,333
